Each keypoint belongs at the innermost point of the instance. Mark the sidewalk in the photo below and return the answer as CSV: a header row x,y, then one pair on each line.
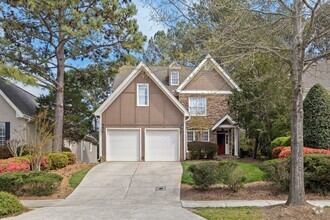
x,y
40,203
240,203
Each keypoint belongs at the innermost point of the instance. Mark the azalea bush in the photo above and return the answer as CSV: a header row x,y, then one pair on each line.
x,y
277,150
285,151
14,164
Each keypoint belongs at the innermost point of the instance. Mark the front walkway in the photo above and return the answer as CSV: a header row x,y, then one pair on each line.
x,y
122,190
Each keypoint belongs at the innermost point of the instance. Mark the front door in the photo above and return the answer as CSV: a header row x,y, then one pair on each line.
x,y
221,140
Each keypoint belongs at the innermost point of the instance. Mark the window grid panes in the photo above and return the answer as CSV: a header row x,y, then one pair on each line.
x,y
143,95
197,106
2,134
175,78
198,135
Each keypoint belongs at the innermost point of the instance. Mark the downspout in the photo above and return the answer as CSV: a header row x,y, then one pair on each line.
x,y
185,138
100,140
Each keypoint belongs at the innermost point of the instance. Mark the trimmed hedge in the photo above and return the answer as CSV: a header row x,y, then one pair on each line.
x,y
204,174
317,118
199,150
71,157
285,152
30,183
316,168
14,164
9,204
58,160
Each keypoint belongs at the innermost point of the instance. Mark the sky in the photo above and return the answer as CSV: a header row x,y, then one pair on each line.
x,y
146,26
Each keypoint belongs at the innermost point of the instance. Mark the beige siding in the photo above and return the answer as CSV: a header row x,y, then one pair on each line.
x,y
209,80
124,113
8,114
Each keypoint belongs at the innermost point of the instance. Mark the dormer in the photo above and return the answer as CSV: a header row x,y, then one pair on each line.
x,y
174,74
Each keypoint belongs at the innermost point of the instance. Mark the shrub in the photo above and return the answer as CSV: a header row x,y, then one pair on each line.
x,y
45,162
204,174
230,175
276,151
317,173
30,183
57,160
198,150
9,204
280,141
286,152
14,164
277,171
5,153
71,157
317,118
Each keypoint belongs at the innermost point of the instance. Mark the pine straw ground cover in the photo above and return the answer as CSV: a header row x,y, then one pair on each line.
x,y
278,212
64,189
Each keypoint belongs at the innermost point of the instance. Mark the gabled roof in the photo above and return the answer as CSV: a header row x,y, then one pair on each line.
x,y
317,73
222,120
129,79
22,101
218,68
161,72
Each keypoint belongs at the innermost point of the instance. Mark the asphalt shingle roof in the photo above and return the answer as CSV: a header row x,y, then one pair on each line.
x,y
23,100
318,73
161,73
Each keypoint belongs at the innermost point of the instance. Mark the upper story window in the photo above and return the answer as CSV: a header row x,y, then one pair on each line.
x,y
2,134
197,106
174,78
142,94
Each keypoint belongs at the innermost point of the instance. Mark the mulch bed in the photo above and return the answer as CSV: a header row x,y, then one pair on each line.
x,y
64,190
304,212
251,191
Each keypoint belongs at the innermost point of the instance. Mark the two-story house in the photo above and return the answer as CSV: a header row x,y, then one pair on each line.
x,y
155,111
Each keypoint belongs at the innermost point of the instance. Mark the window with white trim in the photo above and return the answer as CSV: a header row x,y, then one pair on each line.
x,y
198,135
142,94
2,134
197,106
174,78
90,146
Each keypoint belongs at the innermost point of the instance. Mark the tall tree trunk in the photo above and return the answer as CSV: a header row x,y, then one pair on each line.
x,y
297,188
255,150
59,102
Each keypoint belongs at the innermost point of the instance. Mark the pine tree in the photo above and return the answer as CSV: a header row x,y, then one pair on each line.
x,y
317,118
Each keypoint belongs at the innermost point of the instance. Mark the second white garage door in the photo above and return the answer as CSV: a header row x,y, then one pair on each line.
x,y
123,145
162,145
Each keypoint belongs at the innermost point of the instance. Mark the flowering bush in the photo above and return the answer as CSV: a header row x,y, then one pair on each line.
x,y
286,152
277,150
14,164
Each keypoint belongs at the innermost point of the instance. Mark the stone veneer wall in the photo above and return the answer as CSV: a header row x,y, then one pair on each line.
x,y
217,107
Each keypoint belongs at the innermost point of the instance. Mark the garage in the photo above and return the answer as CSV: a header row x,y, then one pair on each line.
x,y
123,144
162,145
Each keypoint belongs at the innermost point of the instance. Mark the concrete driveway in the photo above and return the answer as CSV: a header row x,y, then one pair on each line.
x,y
123,190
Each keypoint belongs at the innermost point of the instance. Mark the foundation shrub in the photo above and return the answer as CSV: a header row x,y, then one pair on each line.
x,y
199,150
58,160
71,157
9,204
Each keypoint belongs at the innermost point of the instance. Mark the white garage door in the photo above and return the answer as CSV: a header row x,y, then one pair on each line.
x,y
162,145
123,145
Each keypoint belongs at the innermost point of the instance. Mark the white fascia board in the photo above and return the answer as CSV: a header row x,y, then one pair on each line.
x,y
219,69
227,117
166,91
129,79
205,92
118,91
19,114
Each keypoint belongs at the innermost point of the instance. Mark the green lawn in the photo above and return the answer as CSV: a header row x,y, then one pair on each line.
x,y
251,170
77,178
234,213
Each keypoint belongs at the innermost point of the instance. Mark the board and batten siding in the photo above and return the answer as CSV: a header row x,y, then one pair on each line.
x,y
124,112
209,80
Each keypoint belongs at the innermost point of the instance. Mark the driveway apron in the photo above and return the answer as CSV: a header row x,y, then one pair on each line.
x,y
123,190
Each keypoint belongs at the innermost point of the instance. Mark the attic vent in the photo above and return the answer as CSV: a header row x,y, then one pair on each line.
x,y
160,188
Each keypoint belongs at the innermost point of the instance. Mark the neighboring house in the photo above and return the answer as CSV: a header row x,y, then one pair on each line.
x,y
17,108
319,72
86,149
154,111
